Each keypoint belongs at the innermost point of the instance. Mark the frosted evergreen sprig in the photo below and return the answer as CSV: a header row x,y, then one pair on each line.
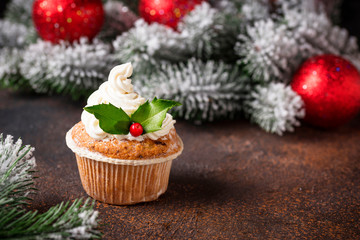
x,y
255,10
10,76
268,51
199,29
15,35
73,69
145,43
273,49
207,91
274,107
16,168
315,34
20,11
228,6
77,221
209,33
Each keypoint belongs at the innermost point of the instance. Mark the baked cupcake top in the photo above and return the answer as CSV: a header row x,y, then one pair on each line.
x,y
104,118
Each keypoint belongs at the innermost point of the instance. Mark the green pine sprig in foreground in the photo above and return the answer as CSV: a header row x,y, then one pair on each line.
x,y
63,221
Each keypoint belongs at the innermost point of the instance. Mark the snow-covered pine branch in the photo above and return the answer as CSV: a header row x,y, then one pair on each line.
x,y
20,11
63,221
255,10
267,50
315,33
73,69
16,168
17,164
145,43
272,49
10,76
15,36
207,33
207,91
274,107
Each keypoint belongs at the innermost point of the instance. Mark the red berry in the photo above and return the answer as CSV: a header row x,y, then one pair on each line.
x,y
136,129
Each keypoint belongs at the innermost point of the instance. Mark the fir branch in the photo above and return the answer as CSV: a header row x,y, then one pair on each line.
x,y
207,91
145,44
16,183
10,76
75,69
14,35
275,107
209,33
16,167
20,11
232,7
273,49
59,222
255,10
268,51
315,34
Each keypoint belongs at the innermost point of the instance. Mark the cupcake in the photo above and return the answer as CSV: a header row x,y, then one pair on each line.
x,y
124,145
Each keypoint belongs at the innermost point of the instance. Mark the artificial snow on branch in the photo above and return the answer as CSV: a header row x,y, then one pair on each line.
x,y
20,11
205,32
10,76
207,91
267,50
273,48
145,43
255,10
315,34
275,107
16,166
16,35
78,221
74,69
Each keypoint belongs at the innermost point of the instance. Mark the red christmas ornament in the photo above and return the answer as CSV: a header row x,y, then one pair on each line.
x,y
330,87
167,12
136,129
68,20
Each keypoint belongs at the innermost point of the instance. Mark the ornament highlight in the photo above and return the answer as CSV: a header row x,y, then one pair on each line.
x,y
330,88
167,12
136,129
67,20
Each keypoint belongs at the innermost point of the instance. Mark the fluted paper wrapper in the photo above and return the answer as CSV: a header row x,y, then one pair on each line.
x,y
122,181
123,184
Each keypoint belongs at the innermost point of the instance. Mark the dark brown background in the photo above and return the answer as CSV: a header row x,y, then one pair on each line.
x,y
233,180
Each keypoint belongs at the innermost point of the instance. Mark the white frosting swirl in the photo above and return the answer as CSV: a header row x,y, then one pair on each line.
x,y
119,91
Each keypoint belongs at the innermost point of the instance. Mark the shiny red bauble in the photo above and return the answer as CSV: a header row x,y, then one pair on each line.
x,y
136,129
330,88
167,12
67,20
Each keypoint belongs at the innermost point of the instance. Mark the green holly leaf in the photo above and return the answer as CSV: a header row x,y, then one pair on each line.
x,y
112,120
151,114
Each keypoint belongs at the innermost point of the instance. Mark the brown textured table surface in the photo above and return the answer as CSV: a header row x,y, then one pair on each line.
x,y
233,180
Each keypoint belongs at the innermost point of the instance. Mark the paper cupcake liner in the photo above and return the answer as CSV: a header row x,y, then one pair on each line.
x,y
123,184
121,181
